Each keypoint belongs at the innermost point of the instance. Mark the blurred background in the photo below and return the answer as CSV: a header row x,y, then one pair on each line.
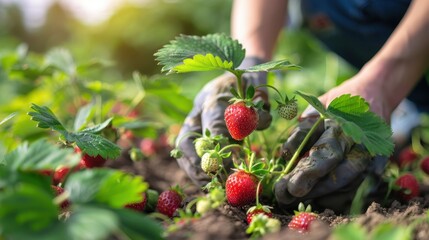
x,y
66,54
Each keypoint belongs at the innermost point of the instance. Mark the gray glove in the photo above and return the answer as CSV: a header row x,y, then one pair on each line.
x,y
332,172
208,113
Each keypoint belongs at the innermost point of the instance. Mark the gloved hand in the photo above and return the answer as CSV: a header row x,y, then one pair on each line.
x,y
333,170
208,113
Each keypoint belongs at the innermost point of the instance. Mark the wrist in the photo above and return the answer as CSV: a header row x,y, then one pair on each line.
x,y
391,79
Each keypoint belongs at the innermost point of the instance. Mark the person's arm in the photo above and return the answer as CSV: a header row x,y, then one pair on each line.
x,y
256,24
392,73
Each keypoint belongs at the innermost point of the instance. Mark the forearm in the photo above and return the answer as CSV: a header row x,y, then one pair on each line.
x,y
256,24
405,56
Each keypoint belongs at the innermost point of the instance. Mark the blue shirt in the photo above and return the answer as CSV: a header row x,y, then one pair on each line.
x,y
357,29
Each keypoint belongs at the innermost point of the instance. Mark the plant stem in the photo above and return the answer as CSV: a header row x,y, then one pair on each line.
x,y
272,87
230,146
295,156
240,90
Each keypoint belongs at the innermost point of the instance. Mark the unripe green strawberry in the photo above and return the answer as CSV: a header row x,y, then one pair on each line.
x,y
288,110
240,120
203,206
202,145
210,162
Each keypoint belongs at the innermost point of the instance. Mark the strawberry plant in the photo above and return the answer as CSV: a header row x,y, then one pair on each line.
x,y
220,52
89,204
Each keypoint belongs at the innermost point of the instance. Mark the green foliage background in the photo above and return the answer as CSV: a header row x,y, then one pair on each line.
x,y
66,64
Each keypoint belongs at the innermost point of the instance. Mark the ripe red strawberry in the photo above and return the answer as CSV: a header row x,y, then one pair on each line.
x,y
90,161
255,211
240,120
409,186
288,110
301,221
241,188
57,191
60,174
424,165
169,201
139,206
407,156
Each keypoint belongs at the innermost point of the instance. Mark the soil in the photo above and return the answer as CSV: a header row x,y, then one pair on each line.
x,y
227,222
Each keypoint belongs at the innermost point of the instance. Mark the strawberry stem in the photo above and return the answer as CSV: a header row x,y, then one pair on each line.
x,y
240,90
257,191
272,87
58,200
295,156
230,146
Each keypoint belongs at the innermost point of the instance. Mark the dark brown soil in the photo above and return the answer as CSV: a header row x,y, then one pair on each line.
x,y
226,222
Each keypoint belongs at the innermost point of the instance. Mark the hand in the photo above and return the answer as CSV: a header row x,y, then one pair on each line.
x,y
208,113
363,85
333,170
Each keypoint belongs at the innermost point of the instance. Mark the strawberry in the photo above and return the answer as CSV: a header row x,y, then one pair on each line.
x,y
92,162
253,211
301,221
148,147
202,145
407,156
241,188
210,162
287,109
88,161
240,120
57,191
169,201
60,174
409,186
139,206
424,165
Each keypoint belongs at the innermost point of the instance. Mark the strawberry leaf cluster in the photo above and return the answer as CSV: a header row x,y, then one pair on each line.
x,y
29,208
357,121
88,140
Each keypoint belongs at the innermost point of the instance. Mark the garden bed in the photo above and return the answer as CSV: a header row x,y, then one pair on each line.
x,y
227,222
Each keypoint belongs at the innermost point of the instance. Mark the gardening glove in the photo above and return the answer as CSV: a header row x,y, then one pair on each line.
x,y
333,170
208,113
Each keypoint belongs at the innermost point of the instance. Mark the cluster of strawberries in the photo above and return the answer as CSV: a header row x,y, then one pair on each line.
x,y
412,168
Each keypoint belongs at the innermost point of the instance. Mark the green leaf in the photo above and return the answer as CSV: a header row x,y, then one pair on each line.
x,y
351,231
206,62
120,189
313,101
89,142
362,125
90,222
40,155
250,92
138,226
60,59
46,118
186,47
82,116
98,128
389,231
273,65
93,145
107,186
26,208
